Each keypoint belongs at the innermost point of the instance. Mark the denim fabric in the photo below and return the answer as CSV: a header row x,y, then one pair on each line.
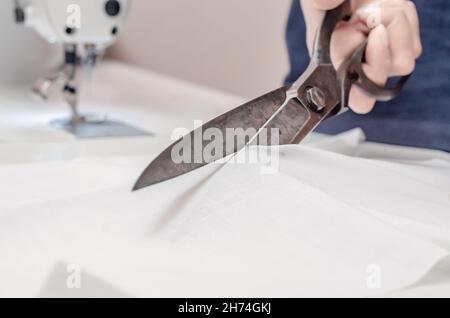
x,y
420,116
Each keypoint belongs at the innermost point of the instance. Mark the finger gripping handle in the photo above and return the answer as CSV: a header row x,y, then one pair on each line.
x,y
351,73
322,42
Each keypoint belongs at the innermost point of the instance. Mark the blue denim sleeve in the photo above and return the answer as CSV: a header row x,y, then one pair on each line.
x,y
420,116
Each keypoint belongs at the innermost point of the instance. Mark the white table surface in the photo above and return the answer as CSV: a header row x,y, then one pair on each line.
x,y
155,103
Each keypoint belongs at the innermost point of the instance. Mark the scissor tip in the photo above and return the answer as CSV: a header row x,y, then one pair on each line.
x,y
138,186
144,183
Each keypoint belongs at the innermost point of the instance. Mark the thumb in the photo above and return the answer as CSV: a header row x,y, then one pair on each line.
x,y
314,11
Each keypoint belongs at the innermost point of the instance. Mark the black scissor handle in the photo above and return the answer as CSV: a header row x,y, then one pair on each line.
x,y
351,73
321,51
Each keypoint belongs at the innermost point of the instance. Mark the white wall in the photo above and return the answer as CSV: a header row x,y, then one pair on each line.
x,y
234,45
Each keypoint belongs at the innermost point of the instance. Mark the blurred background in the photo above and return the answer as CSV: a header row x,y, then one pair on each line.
x,y
24,55
235,46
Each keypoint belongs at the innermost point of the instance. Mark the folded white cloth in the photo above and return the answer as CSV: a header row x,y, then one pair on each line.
x,y
328,223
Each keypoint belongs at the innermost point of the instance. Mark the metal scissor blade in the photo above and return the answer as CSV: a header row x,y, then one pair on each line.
x,y
247,119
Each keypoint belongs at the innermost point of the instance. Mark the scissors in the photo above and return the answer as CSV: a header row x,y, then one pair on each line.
x,y
295,111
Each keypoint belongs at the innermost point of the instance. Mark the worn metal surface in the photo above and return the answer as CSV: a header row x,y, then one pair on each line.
x,y
318,94
248,117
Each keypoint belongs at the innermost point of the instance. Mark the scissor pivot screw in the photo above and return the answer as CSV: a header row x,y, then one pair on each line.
x,y
316,98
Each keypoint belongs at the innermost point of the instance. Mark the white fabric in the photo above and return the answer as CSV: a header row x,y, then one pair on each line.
x,y
318,227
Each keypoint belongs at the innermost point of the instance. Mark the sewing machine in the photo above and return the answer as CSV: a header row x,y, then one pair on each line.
x,y
85,28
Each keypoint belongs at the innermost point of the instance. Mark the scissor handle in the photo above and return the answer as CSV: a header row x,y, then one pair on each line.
x,y
351,71
321,51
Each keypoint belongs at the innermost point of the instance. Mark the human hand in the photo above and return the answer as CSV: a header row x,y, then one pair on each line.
x,y
393,33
